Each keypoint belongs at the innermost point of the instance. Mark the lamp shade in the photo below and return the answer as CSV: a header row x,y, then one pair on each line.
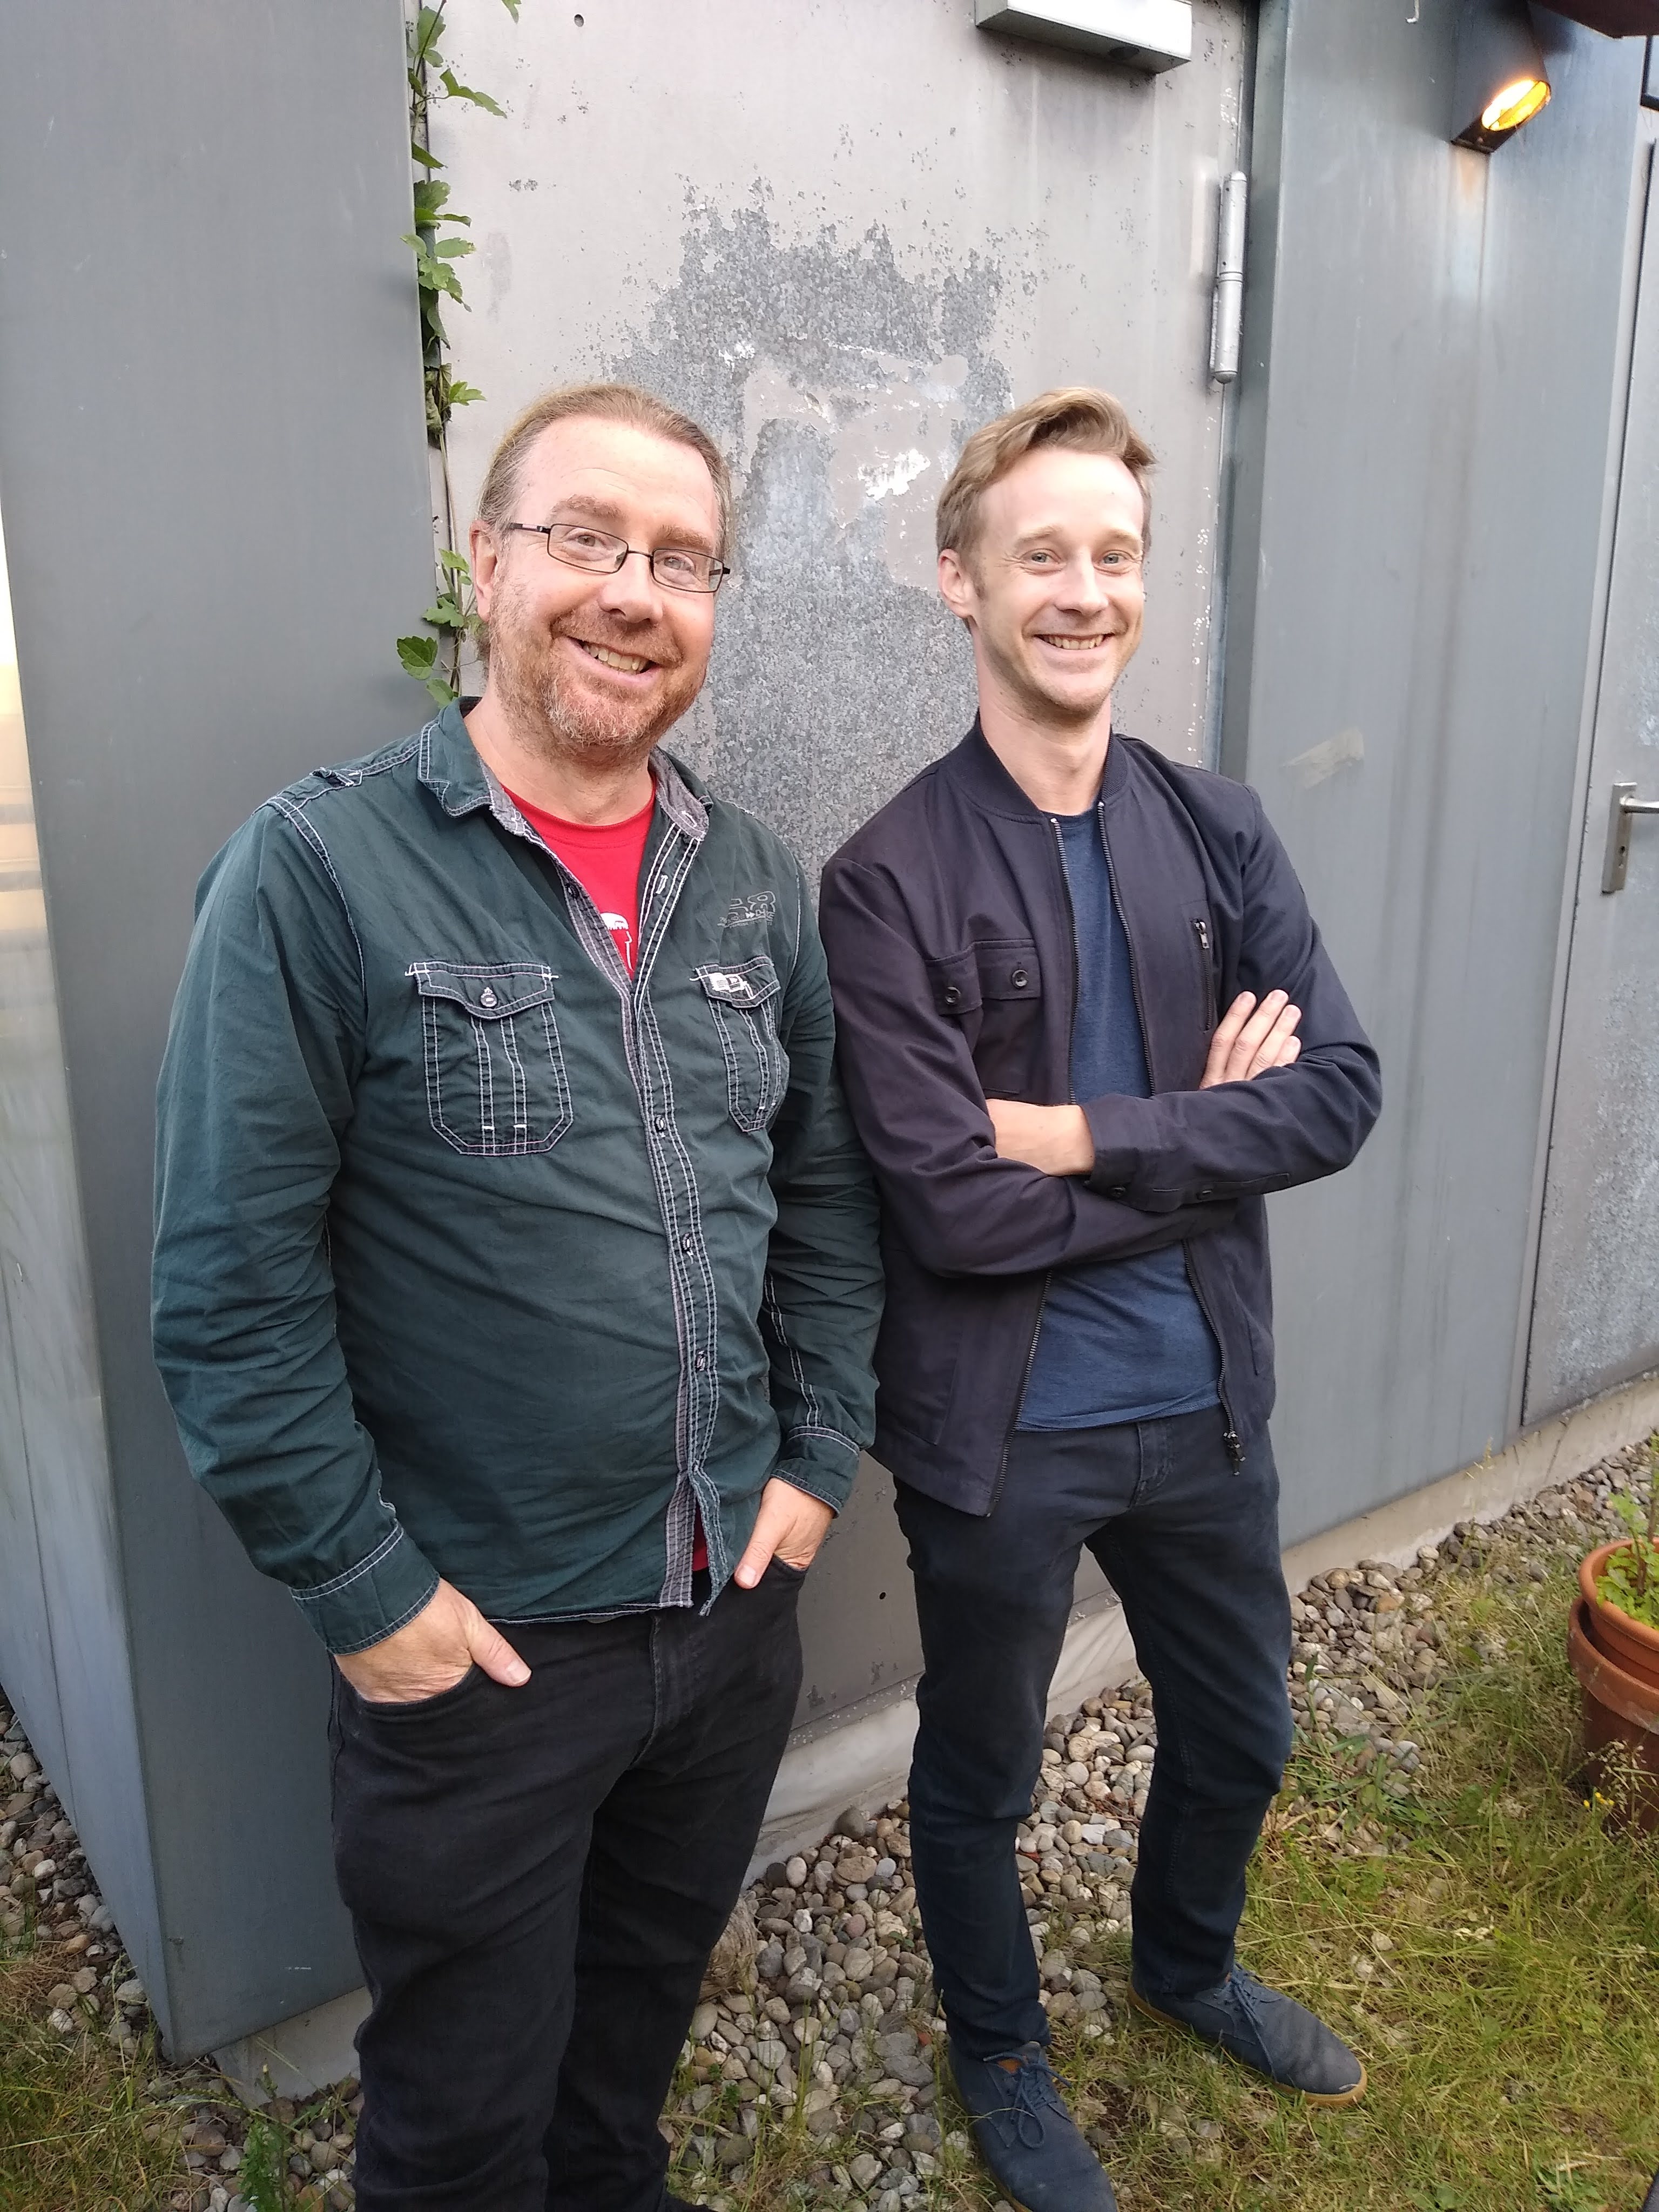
x,y
1500,82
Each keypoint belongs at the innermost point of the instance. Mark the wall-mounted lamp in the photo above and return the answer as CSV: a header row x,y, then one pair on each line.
x,y
1500,82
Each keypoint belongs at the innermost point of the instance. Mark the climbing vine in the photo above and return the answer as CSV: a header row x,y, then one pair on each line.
x,y
437,245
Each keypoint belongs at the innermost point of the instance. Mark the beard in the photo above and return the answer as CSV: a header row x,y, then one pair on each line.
x,y
554,714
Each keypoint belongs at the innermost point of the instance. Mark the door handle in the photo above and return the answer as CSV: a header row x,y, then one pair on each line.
x,y
1625,804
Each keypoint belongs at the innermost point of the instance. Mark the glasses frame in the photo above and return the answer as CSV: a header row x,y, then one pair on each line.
x,y
719,571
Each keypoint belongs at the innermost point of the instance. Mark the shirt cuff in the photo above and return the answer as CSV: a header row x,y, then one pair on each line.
x,y
823,1462
372,1599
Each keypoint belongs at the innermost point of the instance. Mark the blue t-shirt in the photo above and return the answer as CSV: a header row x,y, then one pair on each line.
x,y
1119,1339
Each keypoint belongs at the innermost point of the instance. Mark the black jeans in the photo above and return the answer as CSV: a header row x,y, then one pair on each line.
x,y
1191,1548
537,1877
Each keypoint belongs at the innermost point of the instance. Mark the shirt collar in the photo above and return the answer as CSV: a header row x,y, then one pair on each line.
x,y
451,771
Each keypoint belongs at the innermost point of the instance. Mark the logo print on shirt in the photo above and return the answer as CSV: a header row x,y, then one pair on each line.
x,y
622,930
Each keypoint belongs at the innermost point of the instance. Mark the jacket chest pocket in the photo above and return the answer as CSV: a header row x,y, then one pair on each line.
x,y
495,1072
744,1004
993,989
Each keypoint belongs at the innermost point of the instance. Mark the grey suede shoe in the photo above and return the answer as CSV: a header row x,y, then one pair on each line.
x,y
1026,2136
1268,2030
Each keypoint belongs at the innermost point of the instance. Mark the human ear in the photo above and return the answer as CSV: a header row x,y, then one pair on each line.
x,y
485,554
956,584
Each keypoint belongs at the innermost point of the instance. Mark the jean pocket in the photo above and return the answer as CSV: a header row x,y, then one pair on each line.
x,y
743,1002
416,1709
495,1081
783,1572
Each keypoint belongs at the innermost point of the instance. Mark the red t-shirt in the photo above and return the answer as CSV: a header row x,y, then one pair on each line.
x,y
605,858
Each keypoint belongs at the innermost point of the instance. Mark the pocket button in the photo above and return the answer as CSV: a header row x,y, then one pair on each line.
x,y
487,996
1019,979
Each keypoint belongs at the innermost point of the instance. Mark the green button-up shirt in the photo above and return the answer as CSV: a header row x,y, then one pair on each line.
x,y
477,1256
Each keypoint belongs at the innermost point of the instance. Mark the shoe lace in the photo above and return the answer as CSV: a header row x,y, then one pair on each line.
x,y
1248,1994
1036,2088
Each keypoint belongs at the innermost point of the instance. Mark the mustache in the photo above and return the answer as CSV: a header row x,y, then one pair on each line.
x,y
643,640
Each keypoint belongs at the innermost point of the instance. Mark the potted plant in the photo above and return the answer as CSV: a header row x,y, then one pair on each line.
x,y
1613,1644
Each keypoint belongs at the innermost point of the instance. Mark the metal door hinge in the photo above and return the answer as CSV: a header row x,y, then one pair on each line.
x,y
1227,309
1616,859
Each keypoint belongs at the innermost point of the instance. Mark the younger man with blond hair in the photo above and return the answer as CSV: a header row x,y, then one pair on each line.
x,y
1031,948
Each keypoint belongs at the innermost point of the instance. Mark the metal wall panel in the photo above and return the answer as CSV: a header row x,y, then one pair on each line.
x,y
212,461
1596,1317
1430,370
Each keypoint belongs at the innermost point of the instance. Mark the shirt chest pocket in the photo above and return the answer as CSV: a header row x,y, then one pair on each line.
x,y
494,1073
993,989
743,1003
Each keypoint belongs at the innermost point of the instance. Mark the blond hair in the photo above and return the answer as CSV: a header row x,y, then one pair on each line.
x,y
610,403
1076,417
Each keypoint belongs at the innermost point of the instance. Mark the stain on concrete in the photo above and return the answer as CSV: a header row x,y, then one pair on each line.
x,y
840,386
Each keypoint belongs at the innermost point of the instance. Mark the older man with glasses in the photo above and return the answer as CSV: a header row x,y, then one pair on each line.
x,y
516,1282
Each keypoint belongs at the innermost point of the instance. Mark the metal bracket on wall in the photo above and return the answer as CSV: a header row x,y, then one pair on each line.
x,y
1143,35
1227,307
1625,804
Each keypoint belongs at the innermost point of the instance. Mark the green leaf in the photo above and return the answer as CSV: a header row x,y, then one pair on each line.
x,y
461,395
427,159
452,564
511,8
428,24
453,249
428,200
418,655
441,694
456,90
443,613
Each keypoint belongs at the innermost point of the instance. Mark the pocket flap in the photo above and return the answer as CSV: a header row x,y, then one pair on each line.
x,y
746,986
993,969
490,992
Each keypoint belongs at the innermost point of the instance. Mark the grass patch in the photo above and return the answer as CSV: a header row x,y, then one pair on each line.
x,y
76,2127
1488,1945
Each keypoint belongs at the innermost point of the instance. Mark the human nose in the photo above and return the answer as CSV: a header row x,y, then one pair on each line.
x,y
1081,584
633,589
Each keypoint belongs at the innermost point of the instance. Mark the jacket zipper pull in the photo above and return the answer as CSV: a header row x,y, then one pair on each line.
x,y
1203,929
1235,1448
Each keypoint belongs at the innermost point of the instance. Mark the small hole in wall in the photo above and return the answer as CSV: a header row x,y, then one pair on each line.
x,y
577,21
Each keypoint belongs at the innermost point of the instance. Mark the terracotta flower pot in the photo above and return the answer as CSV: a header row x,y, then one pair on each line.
x,y
1618,1709
1632,1643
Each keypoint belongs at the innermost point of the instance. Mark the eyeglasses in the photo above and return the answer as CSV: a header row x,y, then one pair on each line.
x,y
676,568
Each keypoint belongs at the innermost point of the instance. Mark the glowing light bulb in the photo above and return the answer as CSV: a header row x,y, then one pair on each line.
x,y
1508,109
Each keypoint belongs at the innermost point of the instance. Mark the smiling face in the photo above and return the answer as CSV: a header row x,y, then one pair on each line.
x,y
1053,589
587,668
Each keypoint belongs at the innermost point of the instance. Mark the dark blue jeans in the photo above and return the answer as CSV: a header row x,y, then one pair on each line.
x,y
537,1877
1191,1547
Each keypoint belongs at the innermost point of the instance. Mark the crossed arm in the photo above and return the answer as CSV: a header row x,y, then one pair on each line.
x,y
1250,1039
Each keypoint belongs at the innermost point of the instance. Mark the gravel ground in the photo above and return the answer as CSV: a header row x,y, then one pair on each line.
x,y
818,1999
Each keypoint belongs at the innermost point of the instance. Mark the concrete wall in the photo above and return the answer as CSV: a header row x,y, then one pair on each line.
x,y
211,465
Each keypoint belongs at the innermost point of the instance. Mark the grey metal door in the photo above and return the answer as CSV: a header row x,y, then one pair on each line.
x,y
842,235
1595,1314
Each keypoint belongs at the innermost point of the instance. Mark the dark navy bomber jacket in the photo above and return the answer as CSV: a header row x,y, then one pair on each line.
x,y
947,921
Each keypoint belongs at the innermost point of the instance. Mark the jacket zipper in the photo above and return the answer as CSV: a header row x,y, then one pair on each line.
x,y
1229,1437
1202,928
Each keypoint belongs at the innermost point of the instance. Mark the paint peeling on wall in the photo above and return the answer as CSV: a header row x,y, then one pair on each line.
x,y
842,388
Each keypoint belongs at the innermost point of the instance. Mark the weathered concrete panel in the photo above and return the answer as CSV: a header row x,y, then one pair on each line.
x,y
842,237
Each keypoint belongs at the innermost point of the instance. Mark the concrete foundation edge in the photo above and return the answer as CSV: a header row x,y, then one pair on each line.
x,y
865,1761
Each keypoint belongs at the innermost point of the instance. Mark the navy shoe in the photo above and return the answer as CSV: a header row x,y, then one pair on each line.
x,y
1026,2136
1268,2030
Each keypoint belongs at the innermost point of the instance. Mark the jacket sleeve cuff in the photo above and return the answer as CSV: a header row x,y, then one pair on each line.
x,y
1123,1134
823,1462
369,1601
